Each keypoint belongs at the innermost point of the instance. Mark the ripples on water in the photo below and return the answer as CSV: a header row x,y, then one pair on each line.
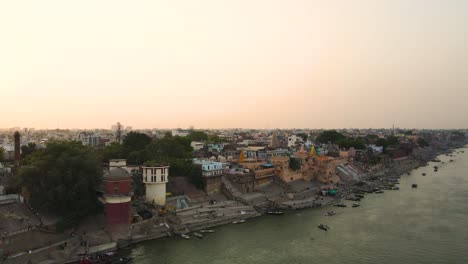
x,y
424,225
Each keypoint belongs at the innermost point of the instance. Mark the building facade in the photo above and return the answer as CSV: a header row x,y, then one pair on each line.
x,y
117,198
155,178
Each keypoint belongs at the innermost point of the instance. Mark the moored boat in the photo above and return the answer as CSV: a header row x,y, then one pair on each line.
x,y
206,231
330,213
356,204
323,227
340,205
184,236
275,213
198,235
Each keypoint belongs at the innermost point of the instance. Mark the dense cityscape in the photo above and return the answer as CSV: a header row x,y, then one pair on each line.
x,y
66,194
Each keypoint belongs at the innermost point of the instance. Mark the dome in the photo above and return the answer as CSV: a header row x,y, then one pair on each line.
x,y
213,158
118,173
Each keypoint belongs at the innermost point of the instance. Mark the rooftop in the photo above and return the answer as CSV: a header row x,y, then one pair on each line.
x,y
118,173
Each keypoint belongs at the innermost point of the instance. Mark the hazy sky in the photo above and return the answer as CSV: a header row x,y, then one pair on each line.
x,y
220,63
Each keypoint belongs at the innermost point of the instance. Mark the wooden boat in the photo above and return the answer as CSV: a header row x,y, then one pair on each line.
x,y
198,235
275,213
323,227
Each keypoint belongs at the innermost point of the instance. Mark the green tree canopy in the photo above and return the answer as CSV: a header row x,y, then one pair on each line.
x,y
135,141
63,179
195,135
422,142
382,142
393,141
27,150
214,139
137,184
357,143
332,136
294,164
168,148
114,151
2,154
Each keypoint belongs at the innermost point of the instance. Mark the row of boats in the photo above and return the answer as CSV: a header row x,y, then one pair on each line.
x,y
106,258
355,204
200,234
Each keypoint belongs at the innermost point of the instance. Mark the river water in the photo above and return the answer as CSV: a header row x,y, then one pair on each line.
x,y
424,225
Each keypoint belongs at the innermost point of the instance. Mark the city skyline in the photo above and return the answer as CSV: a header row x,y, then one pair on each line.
x,y
246,64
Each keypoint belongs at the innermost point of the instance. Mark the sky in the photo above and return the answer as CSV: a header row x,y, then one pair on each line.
x,y
234,64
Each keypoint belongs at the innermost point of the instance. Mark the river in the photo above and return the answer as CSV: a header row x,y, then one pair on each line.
x,y
424,225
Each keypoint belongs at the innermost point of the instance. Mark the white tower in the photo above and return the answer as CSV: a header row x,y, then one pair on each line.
x,y
155,177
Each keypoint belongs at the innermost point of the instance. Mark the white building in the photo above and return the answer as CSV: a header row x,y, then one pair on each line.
x,y
210,168
180,133
292,140
197,145
155,178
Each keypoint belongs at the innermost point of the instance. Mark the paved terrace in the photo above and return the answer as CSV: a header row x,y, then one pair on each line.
x,y
16,218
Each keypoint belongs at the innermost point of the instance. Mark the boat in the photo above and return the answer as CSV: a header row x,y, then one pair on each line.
x,y
359,195
105,259
424,174
198,235
241,221
275,213
323,227
395,188
184,236
379,191
123,260
340,205
356,204
206,231
414,185
330,213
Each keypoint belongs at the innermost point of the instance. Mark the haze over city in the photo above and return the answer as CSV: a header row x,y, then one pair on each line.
x,y
224,64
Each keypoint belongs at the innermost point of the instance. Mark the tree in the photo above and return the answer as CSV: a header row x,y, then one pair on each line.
x,y
62,179
195,135
422,142
357,143
137,184
135,141
371,139
294,164
382,142
114,151
214,139
393,141
27,150
332,136
2,154
304,136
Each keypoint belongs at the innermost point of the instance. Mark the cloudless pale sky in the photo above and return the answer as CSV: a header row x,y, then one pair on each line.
x,y
236,63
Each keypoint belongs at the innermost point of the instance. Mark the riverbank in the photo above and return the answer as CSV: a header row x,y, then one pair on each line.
x,y
226,212
423,225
